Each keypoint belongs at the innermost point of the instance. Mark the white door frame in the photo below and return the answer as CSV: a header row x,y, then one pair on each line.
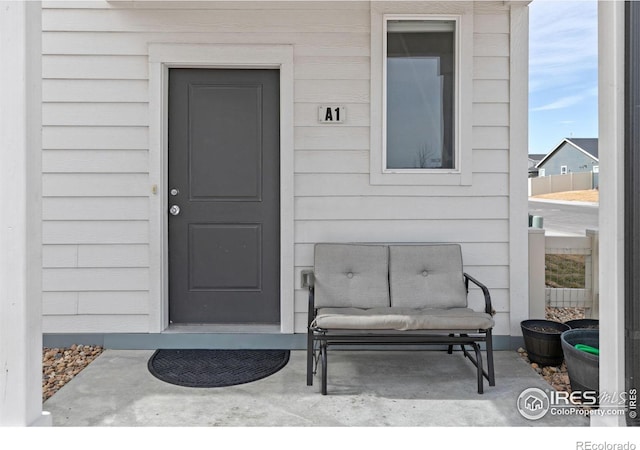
x,y
162,57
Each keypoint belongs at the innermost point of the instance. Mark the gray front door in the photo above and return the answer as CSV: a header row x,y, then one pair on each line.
x,y
224,196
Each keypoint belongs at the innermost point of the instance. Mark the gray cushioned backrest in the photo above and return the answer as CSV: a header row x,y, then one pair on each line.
x,y
351,275
427,276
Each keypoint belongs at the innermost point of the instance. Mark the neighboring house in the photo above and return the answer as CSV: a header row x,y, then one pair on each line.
x,y
534,159
570,156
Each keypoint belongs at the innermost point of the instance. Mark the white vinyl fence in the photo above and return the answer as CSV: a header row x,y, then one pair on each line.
x,y
576,261
577,181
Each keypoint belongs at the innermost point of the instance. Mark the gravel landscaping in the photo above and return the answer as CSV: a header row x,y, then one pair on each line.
x,y
60,365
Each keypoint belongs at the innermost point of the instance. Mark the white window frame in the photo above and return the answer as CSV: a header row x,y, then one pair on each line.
x,y
541,172
564,170
595,169
462,173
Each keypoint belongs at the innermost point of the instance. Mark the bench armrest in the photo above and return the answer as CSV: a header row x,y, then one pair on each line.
x,y
487,297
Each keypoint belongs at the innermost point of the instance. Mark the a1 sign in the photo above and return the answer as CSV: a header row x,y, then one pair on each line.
x,y
332,114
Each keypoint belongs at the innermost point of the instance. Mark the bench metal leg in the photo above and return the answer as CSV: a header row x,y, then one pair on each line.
x,y
323,356
477,361
309,358
489,346
450,347
476,347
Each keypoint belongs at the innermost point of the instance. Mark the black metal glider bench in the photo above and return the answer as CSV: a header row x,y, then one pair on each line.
x,y
405,294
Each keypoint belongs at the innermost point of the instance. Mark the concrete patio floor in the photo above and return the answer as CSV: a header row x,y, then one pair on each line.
x,y
366,389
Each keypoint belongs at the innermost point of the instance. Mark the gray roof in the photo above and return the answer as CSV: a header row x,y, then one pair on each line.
x,y
589,145
537,156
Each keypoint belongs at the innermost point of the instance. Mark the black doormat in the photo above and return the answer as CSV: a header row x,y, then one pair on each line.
x,y
215,368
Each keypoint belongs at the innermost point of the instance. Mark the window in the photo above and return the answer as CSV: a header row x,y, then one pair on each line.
x,y
563,170
541,172
595,169
420,95
421,130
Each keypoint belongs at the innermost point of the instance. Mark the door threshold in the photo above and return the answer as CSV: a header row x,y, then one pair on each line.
x,y
223,328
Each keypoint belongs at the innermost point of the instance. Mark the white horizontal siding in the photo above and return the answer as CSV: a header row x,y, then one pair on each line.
x,y
491,23
331,161
103,323
331,138
105,303
95,67
489,184
491,44
95,279
95,114
94,232
231,4
88,138
490,91
308,44
491,161
60,303
178,20
491,68
491,114
95,185
59,256
91,91
96,162
73,303
101,208
309,231
327,91
400,208
332,68
491,137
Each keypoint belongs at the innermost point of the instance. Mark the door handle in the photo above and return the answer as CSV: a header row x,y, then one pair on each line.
x,y
174,210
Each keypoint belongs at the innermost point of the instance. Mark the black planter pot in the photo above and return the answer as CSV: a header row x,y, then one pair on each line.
x,y
583,367
542,341
584,323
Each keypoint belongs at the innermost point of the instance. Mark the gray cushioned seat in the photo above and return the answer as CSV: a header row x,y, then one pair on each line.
x,y
351,275
427,276
394,318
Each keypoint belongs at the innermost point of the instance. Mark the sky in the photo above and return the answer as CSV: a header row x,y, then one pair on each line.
x,y
563,72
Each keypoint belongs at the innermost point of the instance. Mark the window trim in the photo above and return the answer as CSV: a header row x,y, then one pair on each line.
x,y
462,174
564,170
456,91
